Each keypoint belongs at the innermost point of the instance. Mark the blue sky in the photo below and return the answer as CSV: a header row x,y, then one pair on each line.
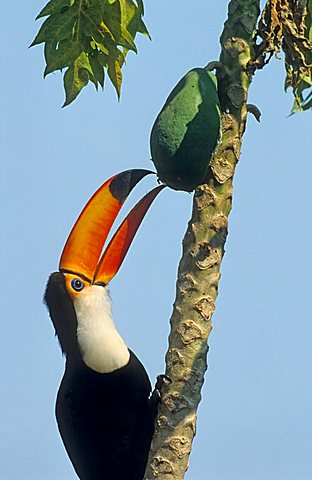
x,y
255,418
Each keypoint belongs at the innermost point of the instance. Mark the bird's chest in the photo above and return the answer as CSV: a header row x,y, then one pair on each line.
x,y
99,403
105,421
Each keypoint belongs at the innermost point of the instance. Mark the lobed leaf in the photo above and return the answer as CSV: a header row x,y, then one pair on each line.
x,y
140,6
87,37
59,56
115,74
97,68
58,26
132,18
76,77
52,7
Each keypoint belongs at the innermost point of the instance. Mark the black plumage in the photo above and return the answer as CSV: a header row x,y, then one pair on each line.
x,y
106,420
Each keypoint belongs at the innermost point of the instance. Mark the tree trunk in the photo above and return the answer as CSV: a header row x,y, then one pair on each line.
x,y
203,249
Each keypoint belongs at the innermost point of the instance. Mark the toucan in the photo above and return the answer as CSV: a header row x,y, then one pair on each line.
x,y
104,409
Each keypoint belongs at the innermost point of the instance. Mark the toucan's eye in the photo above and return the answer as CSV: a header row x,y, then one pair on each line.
x,y
77,284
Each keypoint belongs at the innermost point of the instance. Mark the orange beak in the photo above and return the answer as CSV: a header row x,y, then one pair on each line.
x,y
85,243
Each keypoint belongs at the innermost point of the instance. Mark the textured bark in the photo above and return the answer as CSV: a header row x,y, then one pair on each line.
x,y
203,249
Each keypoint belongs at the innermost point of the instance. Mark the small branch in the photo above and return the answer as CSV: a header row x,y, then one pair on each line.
x,y
254,110
218,66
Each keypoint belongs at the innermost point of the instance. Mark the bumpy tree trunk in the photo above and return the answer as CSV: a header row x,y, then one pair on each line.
x,y
203,248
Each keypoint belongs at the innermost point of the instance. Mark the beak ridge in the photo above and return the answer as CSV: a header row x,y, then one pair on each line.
x,y
84,245
119,245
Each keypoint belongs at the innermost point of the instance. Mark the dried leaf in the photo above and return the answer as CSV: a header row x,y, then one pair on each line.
x,y
287,25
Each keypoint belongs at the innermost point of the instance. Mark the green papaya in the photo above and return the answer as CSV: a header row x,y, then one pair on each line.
x,y
187,130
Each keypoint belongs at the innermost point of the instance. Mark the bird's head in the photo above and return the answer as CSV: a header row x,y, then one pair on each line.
x,y
77,293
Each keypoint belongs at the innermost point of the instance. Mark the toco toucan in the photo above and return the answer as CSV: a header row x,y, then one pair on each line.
x,y
104,410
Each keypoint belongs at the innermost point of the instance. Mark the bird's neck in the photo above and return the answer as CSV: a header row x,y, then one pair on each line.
x,y
102,348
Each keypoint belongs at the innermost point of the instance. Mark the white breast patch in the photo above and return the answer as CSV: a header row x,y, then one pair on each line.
x,y
102,348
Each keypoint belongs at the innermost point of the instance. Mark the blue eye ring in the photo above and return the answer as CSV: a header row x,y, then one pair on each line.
x,y
77,284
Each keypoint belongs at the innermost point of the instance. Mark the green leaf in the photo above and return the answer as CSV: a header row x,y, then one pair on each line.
x,y
307,105
118,55
85,37
76,77
140,6
51,7
143,29
112,18
97,68
60,56
99,46
115,75
132,18
90,20
302,103
128,40
57,27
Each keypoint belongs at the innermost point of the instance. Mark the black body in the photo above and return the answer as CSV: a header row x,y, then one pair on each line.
x,y
106,420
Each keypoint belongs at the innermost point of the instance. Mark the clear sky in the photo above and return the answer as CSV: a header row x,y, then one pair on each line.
x,y
255,418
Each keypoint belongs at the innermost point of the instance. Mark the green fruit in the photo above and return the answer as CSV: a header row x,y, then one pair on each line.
x,y
187,130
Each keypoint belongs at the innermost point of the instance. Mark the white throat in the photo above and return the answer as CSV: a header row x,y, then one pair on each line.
x,y
101,346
